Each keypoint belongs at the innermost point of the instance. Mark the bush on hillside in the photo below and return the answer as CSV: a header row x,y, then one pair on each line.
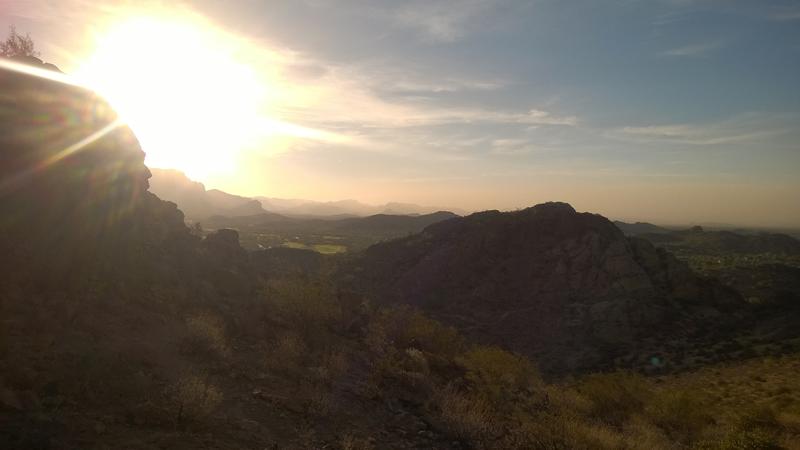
x,y
192,399
615,396
506,380
205,336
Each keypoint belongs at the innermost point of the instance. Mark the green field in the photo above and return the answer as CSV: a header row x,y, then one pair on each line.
x,y
325,249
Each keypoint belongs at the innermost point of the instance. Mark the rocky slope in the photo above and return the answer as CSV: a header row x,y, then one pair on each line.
x,y
566,287
634,229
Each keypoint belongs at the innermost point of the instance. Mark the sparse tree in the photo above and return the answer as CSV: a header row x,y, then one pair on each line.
x,y
17,45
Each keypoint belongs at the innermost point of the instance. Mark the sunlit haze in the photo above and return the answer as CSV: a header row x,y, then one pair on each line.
x,y
665,111
191,104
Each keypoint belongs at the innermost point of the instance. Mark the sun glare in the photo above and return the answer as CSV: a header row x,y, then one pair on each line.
x,y
192,104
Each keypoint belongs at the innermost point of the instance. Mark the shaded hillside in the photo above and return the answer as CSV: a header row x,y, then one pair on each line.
x,y
391,225
769,285
720,242
763,267
633,229
566,287
195,201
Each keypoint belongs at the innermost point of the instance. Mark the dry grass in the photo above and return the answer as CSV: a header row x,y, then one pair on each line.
x,y
288,353
466,416
192,399
350,442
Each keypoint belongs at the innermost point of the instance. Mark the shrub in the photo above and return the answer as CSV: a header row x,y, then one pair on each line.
x,y
543,433
592,436
306,305
404,373
17,45
319,400
501,377
205,336
404,327
466,416
563,398
615,396
350,442
192,399
416,362
757,416
743,440
288,353
641,434
682,414
333,366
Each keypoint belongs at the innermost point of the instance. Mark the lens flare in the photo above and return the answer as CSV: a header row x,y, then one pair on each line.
x,y
180,87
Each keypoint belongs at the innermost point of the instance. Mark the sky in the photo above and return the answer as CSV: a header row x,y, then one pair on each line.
x,y
669,111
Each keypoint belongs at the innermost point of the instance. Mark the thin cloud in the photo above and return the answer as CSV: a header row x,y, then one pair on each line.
x,y
440,20
512,147
693,49
744,128
449,85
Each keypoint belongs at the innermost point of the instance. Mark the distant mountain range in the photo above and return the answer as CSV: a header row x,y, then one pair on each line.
x,y
199,204
195,201
383,223
343,208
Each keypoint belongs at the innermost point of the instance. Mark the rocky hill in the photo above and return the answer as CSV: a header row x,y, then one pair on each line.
x,y
633,229
566,287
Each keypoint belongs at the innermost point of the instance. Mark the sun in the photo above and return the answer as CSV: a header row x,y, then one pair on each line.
x,y
183,89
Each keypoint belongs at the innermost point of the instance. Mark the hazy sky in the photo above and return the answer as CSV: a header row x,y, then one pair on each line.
x,y
672,111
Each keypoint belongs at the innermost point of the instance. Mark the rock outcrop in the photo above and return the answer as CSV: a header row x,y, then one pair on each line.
x,y
568,288
74,197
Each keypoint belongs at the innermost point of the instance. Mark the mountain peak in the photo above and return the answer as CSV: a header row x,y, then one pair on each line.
x,y
553,208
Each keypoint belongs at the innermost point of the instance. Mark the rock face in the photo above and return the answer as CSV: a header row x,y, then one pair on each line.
x,y
73,184
565,287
